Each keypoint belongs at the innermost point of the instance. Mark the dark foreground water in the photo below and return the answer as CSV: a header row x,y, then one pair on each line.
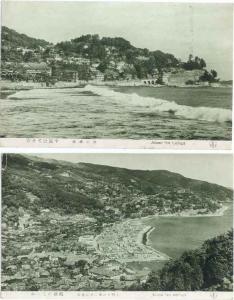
x,y
174,235
124,112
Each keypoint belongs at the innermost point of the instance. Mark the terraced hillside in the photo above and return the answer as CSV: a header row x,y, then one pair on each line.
x,y
110,192
69,226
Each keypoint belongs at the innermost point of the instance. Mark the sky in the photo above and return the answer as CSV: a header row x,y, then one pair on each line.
x,y
214,168
204,30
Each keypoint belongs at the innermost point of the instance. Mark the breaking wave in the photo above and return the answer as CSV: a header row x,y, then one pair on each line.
x,y
35,94
210,114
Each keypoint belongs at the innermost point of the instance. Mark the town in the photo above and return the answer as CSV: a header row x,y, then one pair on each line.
x,y
49,250
80,226
96,60
124,242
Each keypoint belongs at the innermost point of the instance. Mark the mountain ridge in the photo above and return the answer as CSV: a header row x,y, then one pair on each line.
x,y
112,168
120,193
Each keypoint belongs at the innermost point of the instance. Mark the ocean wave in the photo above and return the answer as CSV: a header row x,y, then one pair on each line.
x,y
210,114
149,104
34,94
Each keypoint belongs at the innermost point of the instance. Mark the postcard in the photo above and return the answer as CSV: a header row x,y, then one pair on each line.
x,y
94,225
123,74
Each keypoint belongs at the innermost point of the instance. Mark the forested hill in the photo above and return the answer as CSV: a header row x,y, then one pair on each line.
x,y
94,47
104,192
114,57
209,268
12,38
13,45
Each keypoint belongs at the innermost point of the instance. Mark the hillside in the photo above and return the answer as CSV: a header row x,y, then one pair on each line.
x,y
12,38
93,57
66,226
13,45
118,52
209,268
109,192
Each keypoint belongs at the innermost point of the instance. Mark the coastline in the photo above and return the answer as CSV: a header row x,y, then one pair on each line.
x,y
23,85
138,244
123,241
218,213
8,86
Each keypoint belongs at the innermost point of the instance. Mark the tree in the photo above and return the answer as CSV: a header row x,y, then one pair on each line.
x,y
202,63
190,58
214,73
210,77
207,268
103,66
30,57
111,74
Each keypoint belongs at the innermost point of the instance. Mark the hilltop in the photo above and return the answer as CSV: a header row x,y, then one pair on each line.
x,y
109,193
106,58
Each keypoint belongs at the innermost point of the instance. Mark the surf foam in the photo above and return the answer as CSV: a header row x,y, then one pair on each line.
x,y
210,114
36,94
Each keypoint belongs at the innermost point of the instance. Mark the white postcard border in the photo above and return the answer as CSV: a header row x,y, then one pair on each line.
x,y
120,295
118,144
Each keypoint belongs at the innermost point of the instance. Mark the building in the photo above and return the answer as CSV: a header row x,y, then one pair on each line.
x,y
142,58
33,69
64,74
99,76
79,60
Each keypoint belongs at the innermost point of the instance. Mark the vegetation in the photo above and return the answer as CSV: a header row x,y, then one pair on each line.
x,y
209,268
45,202
90,56
109,192
196,63
142,61
15,42
210,77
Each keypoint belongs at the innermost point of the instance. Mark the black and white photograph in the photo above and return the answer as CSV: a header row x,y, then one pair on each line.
x,y
117,222
116,70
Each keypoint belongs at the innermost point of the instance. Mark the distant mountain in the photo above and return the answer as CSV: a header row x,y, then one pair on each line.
x,y
105,192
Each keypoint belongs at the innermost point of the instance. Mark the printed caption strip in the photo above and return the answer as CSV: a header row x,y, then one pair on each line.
x,y
117,295
116,144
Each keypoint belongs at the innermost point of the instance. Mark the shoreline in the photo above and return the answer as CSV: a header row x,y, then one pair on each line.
x,y
8,86
146,232
129,249
218,213
22,85
133,238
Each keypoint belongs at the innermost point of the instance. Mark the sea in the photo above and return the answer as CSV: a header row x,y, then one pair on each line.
x,y
118,113
174,235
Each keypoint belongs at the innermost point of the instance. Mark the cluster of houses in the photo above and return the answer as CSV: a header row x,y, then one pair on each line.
x,y
25,71
46,263
68,70
52,69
